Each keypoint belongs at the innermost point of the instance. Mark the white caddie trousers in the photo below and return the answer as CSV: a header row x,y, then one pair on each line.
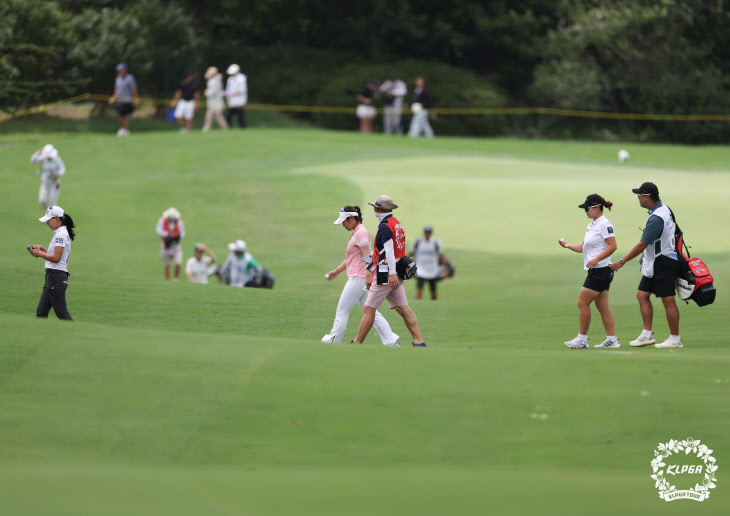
x,y
48,192
354,294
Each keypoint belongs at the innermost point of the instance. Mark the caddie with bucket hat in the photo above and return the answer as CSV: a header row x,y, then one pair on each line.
x,y
171,228
384,283
51,171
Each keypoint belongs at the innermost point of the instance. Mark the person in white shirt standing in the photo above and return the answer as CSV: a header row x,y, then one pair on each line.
x,y
428,253
236,95
51,172
56,256
393,90
198,267
171,229
597,246
214,99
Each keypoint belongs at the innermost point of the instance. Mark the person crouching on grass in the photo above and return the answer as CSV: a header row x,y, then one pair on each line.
x,y
171,229
56,256
598,245
390,246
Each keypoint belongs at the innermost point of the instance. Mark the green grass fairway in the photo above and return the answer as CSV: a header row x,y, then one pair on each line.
x,y
181,399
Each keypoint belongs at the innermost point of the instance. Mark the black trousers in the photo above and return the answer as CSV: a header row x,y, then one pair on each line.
x,y
241,116
54,295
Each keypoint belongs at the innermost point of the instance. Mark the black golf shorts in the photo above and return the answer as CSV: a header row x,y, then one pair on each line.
x,y
125,108
599,279
662,284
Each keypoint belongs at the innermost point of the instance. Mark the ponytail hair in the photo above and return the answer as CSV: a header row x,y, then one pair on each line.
x,y
608,205
69,223
357,209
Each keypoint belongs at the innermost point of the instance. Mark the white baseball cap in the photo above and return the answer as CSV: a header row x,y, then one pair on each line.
x,y
344,215
52,211
238,245
233,69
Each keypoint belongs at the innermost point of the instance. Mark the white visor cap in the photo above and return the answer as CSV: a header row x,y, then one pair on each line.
x,y
343,216
52,211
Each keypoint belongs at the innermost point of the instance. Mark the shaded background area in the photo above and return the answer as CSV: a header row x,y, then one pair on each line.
x,y
620,56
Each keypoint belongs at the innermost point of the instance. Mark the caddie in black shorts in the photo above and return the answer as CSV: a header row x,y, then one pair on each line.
x,y
599,279
663,283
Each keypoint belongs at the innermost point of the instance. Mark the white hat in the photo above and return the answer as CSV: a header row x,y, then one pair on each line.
x,y
238,245
48,151
211,71
233,69
52,211
171,213
344,215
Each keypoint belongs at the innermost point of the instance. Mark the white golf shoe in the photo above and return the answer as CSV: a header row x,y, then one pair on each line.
x,y
328,338
608,343
643,340
577,343
671,342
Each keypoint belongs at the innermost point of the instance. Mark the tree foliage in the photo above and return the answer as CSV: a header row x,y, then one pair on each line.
x,y
654,56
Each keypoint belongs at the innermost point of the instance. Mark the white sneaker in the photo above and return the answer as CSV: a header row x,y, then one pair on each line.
x,y
577,343
394,343
328,338
671,342
643,340
608,343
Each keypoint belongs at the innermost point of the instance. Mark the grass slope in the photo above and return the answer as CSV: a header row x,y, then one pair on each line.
x,y
184,399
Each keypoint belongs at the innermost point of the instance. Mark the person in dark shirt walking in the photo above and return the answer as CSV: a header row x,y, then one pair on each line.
x,y
185,101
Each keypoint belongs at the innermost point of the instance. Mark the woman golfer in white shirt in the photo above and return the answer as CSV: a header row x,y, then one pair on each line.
x,y
354,292
597,246
56,256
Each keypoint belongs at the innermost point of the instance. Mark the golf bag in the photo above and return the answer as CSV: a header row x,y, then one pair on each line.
x,y
694,281
265,279
406,268
449,267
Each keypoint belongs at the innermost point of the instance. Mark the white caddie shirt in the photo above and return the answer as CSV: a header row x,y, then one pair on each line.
x,y
427,255
199,269
60,239
594,242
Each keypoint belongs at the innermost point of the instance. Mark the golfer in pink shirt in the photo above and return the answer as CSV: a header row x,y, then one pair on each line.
x,y
355,293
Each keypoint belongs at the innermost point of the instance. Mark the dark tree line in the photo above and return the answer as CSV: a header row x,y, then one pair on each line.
x,y
652,56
